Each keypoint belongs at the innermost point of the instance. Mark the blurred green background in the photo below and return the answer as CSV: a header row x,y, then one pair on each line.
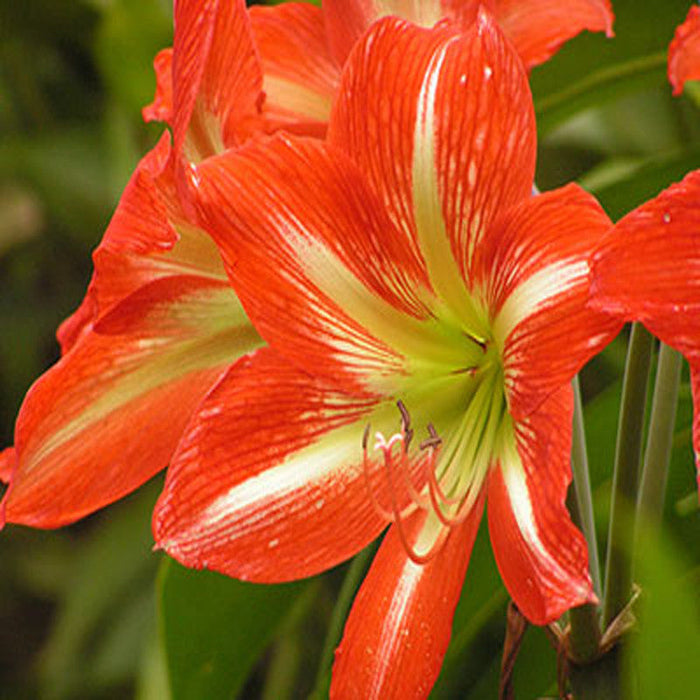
x,y
85,611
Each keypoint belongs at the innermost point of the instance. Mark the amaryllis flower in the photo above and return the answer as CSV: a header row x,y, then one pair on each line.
x,y
684,52
157,328
405,279
210,83
75,434
159,323
648,270
232,74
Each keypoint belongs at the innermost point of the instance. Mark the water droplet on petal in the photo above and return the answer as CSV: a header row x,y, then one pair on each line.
x,y
488,72
666,218
273,543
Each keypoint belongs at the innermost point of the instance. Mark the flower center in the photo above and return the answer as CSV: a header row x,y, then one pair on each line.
x,y
444,474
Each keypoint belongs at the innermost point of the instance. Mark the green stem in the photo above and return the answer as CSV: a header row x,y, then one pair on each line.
x,y
356,572
605,78
599,680
582,487
585,629
615,73
584,637
618,568
657,457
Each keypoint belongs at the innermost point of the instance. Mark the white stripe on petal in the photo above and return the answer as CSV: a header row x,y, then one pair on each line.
x,y
537,291
290,98
521,504
407,583
435,245
241,509
390,640
424,13
396,331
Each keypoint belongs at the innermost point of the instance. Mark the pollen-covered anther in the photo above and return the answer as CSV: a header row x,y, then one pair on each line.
x,y
403,495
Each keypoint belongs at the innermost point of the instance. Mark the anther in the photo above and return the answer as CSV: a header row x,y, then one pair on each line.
x,y
434,441
405,424
405,415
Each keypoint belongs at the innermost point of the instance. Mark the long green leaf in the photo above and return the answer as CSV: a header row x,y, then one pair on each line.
x,y
214,628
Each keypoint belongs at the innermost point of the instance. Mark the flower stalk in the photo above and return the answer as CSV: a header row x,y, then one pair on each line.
x,y
582,486
618,568
657,456
584,635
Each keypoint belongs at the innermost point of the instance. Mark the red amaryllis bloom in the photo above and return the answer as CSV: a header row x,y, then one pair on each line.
x,y
289,58
157,328
648,270
404,278
158,325
75,433
684,52
210,83
159,322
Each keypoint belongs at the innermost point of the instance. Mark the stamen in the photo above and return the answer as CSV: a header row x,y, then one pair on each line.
x,y
405,468
410,550
450,521
436,500
382,512
413,555
433,483
407,431
433,441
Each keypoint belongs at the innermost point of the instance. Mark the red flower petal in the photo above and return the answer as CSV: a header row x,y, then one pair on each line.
x,y
648,267
268,482
213,101
443,125
538,28
7,464
542,557
148,238
322,272
684,52
161,109
347,20
400,623
300,77
108,416
534,270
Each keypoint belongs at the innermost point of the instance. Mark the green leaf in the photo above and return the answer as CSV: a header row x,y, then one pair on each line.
x,y
477,630
106,607
663,653
215,628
